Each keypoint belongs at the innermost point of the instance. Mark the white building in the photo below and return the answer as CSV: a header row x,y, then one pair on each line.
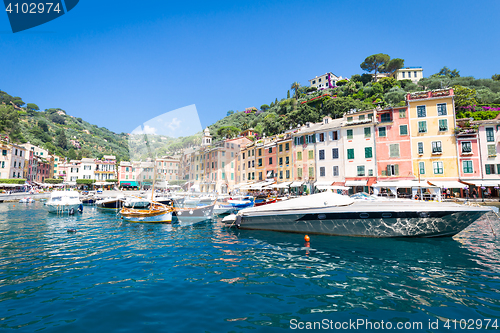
x,y
410,73
329,152
328,80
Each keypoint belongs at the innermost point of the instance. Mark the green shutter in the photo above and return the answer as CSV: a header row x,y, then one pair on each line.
x,y
396,169
388,167
488,169
384,173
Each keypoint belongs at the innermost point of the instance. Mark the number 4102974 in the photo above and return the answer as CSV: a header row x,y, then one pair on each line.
x,y
33,8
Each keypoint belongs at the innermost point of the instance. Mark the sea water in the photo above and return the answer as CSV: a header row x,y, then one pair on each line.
x,y
115,276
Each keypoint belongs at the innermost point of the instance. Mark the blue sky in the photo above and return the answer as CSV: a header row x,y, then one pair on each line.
x,y
119,64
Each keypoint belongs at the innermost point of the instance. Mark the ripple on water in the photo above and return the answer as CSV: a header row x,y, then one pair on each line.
x,y
116,276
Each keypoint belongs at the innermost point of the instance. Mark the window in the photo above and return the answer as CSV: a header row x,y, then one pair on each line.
x,y
422,127
311,154
335,153
258,164
362,117
299,156
260,152
361,170
270,160
392,170
402,114
442,109
281,161
335,170
370,172
299,172
381,132
467,167
334,135
490,169
370,116
287,146
403,73
321,137
243,155
443,124
287,172
270,150
321,154
287,160
368,132
421,168
491,150
415,74
403,130
260,176
394,150
436,147
438,168
4,152
385,117
349,119
466,147
420,148
349,134
490,136
350,154
368,152
322,171
232,176
421,112
311,172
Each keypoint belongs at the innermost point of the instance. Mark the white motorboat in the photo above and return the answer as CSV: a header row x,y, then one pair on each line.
x,y
334,214
136,202
113,203
64,202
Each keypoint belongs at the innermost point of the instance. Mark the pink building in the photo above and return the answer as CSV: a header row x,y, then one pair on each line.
x,y
270,159
469,159
393,145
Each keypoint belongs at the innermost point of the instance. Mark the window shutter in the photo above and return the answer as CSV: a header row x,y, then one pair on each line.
x,y
396,169
488,170
384,173
330,136
498,168
388,170
317,137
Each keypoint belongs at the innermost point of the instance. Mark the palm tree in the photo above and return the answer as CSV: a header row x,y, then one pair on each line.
x,y
296,86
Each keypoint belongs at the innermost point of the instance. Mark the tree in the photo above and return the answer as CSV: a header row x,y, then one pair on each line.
x,y
32,107
57,118
392,66
230,112
43,125
446,72
374,63
341,83
288,94
228,131
61,140
295,86
18,101
72,154
495,77
264,107
464,96
388,83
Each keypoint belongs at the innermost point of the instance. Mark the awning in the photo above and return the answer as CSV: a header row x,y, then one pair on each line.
x,y
241,185
296,184
332,187
258,186
323,183
402,184
356,182
449,184
129,183
103,183
282,185
485,183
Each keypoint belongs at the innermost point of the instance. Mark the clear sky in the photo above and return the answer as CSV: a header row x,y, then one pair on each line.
x,y
118,64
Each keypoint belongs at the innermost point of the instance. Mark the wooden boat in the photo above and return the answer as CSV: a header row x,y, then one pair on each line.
x,y
157,213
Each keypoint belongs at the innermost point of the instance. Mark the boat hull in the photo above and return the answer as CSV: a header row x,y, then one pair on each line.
x,y
193,214
160,218
63,208
362,220
111,204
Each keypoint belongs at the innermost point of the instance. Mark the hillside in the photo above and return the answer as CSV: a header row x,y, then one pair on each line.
x,y
57,131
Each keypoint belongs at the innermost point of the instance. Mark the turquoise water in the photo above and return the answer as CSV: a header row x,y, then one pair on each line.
x,y
114,276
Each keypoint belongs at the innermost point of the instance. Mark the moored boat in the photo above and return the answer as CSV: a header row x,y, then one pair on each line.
x,y
110,203
26,200
64,202
333,214
190,214
157,213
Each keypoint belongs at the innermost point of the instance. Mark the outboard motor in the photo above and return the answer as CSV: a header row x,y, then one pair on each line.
x,y
80,208
72,211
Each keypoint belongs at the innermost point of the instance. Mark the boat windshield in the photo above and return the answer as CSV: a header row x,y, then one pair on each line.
x,y
363,196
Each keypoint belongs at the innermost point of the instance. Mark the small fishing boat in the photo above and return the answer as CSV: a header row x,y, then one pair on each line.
x,y
64,202
136,202
112,203
27,200
196,214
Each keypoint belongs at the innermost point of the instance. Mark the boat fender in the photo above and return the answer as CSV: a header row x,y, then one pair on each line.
x,y
237,223
80,208
70,231
190,212
72,211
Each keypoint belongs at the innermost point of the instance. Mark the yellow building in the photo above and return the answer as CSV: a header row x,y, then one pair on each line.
x,y
284,167
433,141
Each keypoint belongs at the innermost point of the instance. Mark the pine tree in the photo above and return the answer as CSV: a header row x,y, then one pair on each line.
x,y
288,94
61,140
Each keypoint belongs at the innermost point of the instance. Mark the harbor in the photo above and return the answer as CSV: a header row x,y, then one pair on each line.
x,y
122,276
